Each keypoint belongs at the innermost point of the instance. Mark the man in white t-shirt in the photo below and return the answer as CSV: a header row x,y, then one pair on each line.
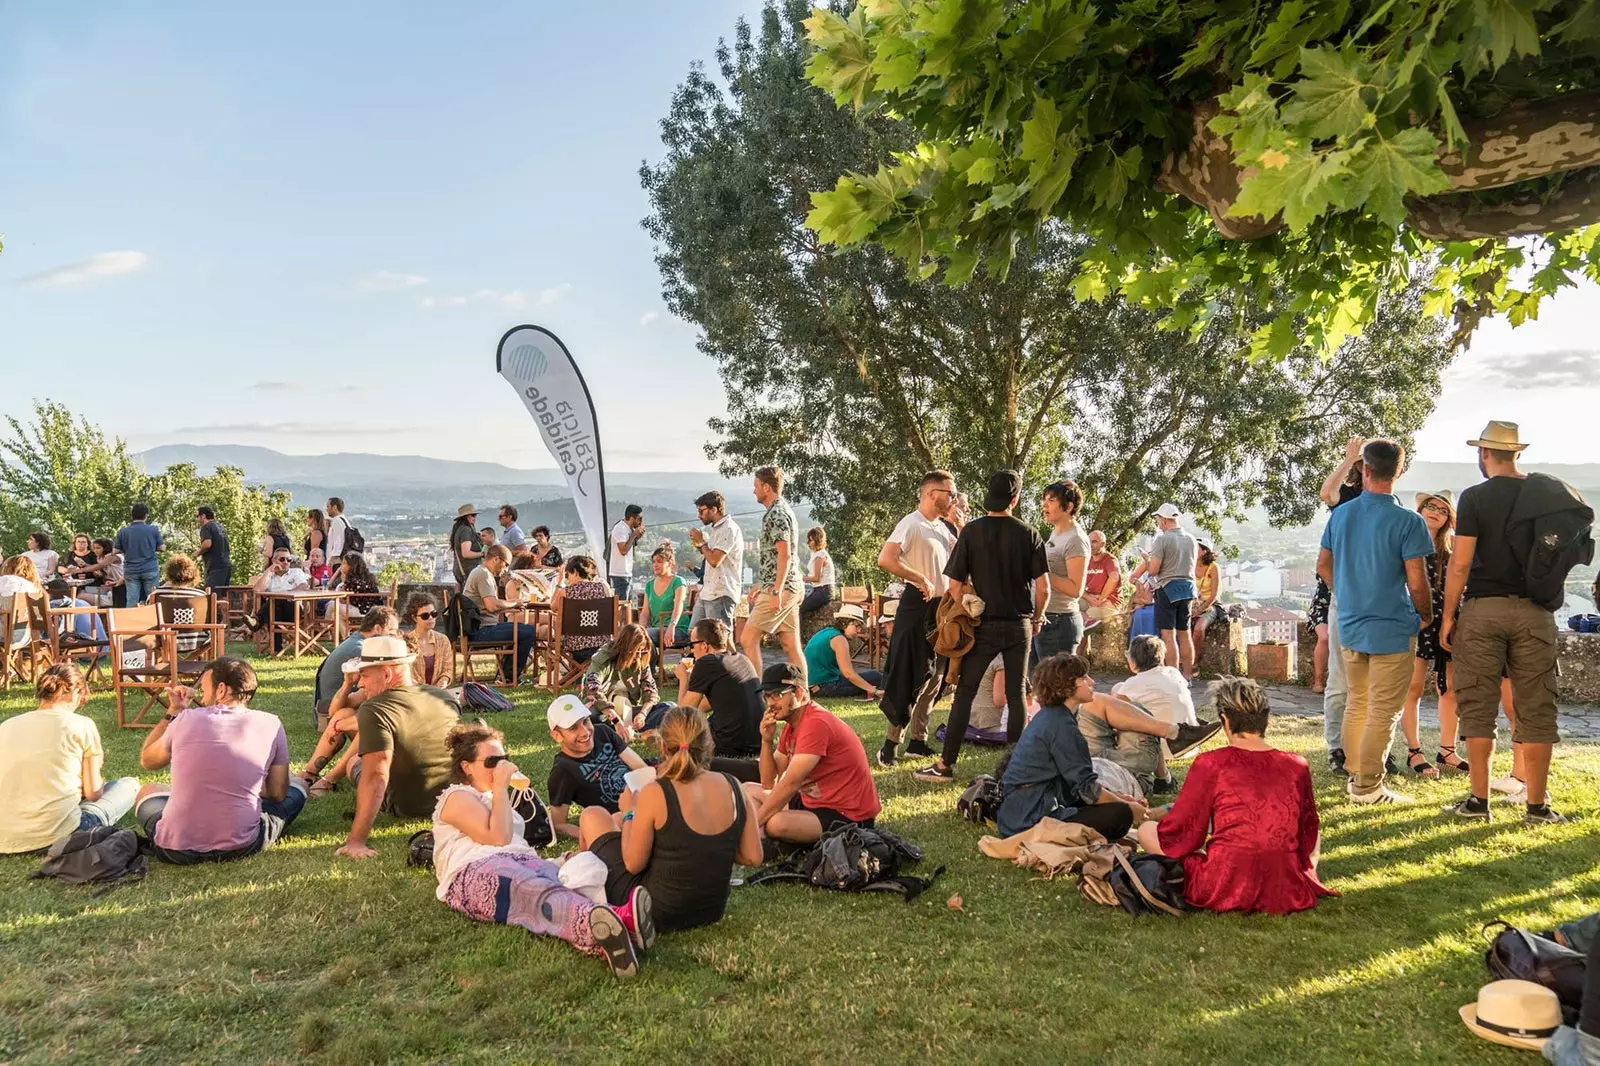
x,y
1159,691
721,545
338,526
624,535
916,552
281,576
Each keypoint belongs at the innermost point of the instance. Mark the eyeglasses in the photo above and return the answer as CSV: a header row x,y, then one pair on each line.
x,y
491,761
1436,508
427,614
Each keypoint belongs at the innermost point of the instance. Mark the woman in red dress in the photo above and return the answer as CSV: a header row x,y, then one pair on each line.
x,y
1245,822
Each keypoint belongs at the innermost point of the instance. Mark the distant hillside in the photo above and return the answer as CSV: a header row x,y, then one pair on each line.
x,y
1585,477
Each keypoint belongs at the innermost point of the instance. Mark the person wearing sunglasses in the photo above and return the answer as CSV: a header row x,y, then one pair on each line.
x,y
715,677
489,871
436,656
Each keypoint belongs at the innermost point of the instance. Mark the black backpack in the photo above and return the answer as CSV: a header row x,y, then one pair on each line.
x,y
853,858
103,856
461,616
980,803
1560,539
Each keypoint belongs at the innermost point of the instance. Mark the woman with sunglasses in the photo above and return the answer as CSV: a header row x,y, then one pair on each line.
x,y
488,870
436,657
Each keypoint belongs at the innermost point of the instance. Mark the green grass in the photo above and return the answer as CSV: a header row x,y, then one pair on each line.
x,y
298,955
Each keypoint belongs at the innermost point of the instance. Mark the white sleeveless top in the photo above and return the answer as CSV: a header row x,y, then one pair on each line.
x,y
829,577
453,850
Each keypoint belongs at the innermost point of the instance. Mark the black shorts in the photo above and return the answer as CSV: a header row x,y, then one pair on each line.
x,y
619,882
830,818
1172,614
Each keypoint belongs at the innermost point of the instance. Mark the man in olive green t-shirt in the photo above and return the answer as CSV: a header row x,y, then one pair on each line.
x,y
401,727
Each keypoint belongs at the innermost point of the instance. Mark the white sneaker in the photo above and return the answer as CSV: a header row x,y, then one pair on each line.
x,y
1380,795
1510,787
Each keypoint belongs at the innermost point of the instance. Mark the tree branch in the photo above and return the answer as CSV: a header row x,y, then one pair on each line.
x,y
1465,217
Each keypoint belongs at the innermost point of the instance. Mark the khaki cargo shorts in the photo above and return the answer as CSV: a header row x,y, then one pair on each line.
x,y
1516,636
768,621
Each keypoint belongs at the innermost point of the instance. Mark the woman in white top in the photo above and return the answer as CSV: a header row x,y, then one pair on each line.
x,y
822,577
479,850
44,559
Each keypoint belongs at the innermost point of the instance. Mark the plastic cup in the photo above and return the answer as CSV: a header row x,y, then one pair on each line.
x,y
519,781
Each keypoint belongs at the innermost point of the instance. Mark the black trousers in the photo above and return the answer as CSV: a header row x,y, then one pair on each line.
x,y
1589,1012
1110,820
910,657
1009,640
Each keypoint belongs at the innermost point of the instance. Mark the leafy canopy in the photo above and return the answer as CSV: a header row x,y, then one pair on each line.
x,y
1330,131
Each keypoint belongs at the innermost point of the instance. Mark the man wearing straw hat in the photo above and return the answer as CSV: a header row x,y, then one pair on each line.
x,y
1501,628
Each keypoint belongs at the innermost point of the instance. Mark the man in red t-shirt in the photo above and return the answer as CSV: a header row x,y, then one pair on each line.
x,y
818,779
1102,588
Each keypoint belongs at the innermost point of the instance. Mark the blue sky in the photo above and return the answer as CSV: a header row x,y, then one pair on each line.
x,y
305,226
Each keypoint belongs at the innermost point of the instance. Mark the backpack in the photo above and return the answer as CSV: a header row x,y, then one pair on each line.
x,y
1145,884
980,803
103,855
353,540
419,849
1560,539
1518,955
853,858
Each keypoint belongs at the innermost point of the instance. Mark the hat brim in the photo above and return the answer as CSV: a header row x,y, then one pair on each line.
x,y
568,725
1496,445
778,686
1469,1016
358,663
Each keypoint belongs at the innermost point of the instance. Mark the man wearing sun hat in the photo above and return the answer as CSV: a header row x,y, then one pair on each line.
x,y
404,761
1502,627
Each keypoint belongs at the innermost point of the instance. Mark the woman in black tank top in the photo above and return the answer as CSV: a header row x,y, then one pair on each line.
x,y
686,872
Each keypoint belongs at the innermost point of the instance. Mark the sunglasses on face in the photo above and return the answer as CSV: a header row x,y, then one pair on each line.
x,y
491,761
427,614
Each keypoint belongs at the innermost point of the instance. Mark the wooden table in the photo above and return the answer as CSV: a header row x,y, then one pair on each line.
x,y
306,634
546,651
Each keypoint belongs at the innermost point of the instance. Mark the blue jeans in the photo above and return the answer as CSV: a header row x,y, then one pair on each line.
x,y
139,587
116,800
818,598
844,687
1060,633
500,633
620,585
653,717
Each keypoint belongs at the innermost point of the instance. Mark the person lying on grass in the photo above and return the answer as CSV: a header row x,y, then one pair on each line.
x,y
488,871
684,833
1245,822
818,778
231,794
590,769
403,763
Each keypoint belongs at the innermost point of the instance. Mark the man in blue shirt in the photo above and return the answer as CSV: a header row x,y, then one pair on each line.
x,y
1373,554
137,543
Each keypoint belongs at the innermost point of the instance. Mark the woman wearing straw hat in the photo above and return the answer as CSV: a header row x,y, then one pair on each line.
x,y
1438,510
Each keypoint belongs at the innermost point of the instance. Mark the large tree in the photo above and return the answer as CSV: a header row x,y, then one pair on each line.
x,y
856,378
1227,148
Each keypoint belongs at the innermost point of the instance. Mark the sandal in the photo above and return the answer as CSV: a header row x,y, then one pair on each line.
x,y
321,787
1452,761
1425,769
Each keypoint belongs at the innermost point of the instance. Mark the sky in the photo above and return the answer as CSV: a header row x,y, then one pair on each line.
x,y
304,227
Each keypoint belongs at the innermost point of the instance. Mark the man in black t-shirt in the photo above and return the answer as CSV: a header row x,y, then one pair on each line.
x,y
1500,629
589,770
1000,559
724,684
214,555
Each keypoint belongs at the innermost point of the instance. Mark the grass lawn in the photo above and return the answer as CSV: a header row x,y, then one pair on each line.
x,y
298,955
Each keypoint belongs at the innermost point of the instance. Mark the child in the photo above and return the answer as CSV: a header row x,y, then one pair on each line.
x,y
1154,687
589,770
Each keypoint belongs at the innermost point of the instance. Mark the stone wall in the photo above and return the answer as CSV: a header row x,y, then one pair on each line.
x,y
1579,656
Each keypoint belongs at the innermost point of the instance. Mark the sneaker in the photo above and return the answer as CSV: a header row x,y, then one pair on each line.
x,y
636,915
919,748
1190,737
1379,795
251,621
1466,809
1546,815
1336,761
616,945
1509,787
1162,786
886,753
935,772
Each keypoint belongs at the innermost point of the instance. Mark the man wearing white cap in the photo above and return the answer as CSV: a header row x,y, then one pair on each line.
x,y
1506,622
591,770
1170,562
404,761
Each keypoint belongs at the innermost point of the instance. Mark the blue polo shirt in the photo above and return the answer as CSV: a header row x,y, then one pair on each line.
x,y
138,543
1371,537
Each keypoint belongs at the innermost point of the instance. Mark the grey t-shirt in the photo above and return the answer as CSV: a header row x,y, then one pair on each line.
x,y
1172,556
1060,548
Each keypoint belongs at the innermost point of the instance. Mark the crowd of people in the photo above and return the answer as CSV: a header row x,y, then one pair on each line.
x,y
663,797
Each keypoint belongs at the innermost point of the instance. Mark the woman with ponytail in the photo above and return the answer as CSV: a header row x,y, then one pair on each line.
x,y
683,832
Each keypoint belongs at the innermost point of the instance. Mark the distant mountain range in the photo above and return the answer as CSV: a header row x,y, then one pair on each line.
x,y
1585,477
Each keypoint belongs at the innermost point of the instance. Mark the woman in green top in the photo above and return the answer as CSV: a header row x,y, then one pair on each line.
x,y
664,594
830,671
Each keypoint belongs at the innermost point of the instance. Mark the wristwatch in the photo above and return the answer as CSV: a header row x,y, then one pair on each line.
x,y
169,718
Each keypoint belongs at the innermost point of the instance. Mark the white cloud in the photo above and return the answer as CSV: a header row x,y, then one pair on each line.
x,y
649,317
509,298
104,265
388,281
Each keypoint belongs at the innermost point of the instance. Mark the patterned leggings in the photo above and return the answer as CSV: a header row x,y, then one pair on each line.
x,y
525,890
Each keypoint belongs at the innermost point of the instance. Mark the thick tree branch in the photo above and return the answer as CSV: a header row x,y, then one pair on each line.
x,y
1530,139
1465,217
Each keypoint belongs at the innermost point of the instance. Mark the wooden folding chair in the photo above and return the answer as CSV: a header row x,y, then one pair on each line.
x,y
233,603
144,659
54,628
16,640
199,637
582,618
492,650
880,628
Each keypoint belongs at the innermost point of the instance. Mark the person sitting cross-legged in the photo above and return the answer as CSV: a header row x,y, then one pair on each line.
x,y
337,713
818,778
403,761
677,845
50,768
231,793
1157,689
829,665
489,872
619,686
1245,822
589,770
482,590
